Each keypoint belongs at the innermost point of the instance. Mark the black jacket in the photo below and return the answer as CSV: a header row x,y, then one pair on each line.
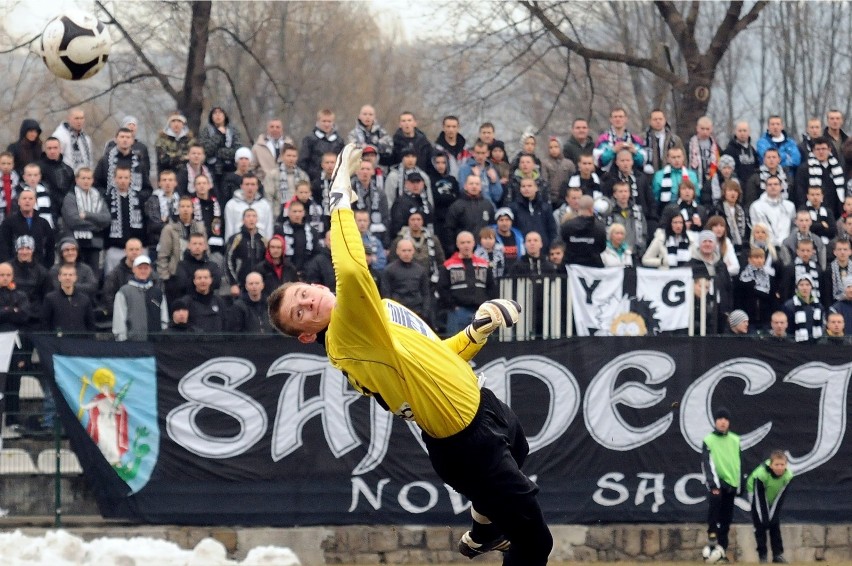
x,y
419,143
189,265
313,148
585,239
69,313
16,225
249,316
206,312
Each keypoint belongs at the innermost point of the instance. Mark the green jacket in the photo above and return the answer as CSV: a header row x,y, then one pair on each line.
x,y
721,461
768,490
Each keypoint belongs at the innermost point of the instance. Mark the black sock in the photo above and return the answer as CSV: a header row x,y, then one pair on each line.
x,y
482,533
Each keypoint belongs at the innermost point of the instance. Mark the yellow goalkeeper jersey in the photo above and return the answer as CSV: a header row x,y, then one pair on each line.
x,y
386,351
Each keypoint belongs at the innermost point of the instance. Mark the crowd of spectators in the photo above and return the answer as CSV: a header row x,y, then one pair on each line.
x,y
191,235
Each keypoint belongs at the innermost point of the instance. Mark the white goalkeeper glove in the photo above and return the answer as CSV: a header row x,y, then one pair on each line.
x,y
490,316
341,194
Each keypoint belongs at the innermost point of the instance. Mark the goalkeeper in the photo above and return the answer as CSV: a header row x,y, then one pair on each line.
x,y
475,441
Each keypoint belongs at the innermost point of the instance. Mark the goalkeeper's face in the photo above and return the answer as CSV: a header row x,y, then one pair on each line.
x,y
307,309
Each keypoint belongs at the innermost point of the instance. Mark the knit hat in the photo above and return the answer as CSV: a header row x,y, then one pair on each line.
x,y
504,211
721,413
180,304
847,281
177,116
127,120
24,242
727,161
66,243
705,235
805,276
737,317
241,153
499,143
525,136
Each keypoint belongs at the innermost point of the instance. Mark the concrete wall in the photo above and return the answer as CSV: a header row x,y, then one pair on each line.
x,y
417,544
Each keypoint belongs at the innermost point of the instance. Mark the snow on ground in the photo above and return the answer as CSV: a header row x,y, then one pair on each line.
x,y
60,548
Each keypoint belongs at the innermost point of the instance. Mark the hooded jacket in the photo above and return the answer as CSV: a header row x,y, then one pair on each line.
x,y
23,150
172,148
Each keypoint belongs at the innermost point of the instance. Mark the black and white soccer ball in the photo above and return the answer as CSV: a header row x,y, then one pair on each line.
x,y
75,45
712,553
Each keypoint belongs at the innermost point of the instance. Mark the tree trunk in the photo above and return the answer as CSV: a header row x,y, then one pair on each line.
x,y
693,101
192,95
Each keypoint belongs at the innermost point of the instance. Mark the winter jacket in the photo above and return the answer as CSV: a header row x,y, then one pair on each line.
x,y
407,284
787,148
24,151
572,148
585,239
172,148
419,143
39,228
139,309
87,231
746,159
206,312
173,245
375,136
189,264
234,215
467,213
242,253
535,215
69,313
314,146
249,316
778,214
219,148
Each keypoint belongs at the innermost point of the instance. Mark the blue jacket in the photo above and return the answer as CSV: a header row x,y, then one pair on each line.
x,y
494,191
789,151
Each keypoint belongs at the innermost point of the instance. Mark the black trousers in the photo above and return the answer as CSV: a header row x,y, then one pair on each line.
x,y
483,463
720,514
760,528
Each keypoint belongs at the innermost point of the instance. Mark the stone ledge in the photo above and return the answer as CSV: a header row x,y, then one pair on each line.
x,y
391,544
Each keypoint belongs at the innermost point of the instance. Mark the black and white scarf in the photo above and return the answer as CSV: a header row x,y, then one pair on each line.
x,y
815,169
116,227
735,216
667,191
810,269
630,180
369,198
87,201
427,240
780,173
191,175
576,182
838,274
135,173
168,205
290,240
819,215
762,281
800,319
214,239
285,191
658,147
43,202
677,250
81,153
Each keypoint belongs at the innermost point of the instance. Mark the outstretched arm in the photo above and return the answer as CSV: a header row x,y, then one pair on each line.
x,y
491,315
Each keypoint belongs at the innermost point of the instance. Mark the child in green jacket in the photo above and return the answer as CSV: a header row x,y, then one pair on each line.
x,y
768,484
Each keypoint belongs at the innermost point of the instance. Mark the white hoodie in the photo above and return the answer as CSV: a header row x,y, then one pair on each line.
x,y
778,214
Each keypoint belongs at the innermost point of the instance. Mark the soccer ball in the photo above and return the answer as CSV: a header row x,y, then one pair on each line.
x,y
75,46
712,554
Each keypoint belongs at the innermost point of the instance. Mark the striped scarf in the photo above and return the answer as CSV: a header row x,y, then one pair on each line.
x,y
677,250
810,269
705,164
116,227
801,319
735,216
87,201
819,215
762,281
815,170
780,173
837,275
427,239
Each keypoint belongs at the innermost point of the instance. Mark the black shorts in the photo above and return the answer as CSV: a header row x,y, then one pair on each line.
x,y
484,460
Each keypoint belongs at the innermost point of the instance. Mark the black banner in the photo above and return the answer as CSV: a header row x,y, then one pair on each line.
x,y
264,431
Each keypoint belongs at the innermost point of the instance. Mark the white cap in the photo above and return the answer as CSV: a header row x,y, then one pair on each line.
x,y
140,260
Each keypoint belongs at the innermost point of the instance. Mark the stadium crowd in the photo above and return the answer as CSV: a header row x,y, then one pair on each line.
x,y
191,235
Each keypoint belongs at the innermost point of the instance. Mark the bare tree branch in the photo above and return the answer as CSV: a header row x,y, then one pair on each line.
x,y
154,70
254,57
126,81
730,27
655,67
235,95
20,45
